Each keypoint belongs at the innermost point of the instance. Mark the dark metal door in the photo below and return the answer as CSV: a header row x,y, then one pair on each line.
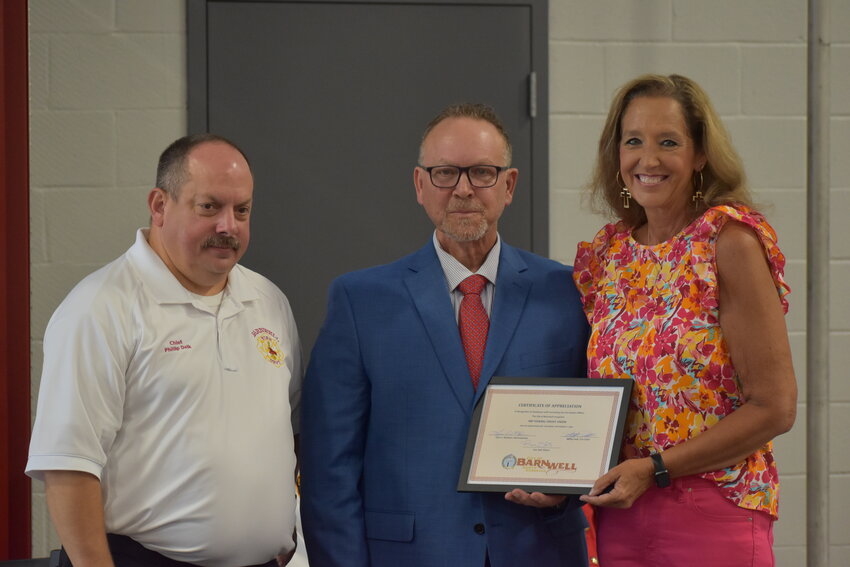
x,y
329,100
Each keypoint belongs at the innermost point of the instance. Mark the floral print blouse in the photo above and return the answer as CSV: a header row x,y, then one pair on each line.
x,y
654,317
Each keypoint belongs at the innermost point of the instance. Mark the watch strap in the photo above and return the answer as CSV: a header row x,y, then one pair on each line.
x,y
662,476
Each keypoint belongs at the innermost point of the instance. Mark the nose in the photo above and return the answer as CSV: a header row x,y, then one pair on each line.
x,y
650,156
464,188
226,222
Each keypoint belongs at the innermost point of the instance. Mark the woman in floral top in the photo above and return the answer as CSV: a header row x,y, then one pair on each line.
x,y
686,296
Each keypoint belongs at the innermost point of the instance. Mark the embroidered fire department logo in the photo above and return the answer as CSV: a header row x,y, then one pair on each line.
x,y
269,346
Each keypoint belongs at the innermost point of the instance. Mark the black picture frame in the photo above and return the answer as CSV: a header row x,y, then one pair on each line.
x,y
552,408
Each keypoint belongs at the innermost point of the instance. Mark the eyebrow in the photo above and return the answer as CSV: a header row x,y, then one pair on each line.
x,y
667,134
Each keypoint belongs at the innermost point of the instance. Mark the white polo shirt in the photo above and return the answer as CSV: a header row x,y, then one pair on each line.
x,y
186,415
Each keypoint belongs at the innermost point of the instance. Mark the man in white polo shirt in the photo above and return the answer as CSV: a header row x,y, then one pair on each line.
x,y
170,385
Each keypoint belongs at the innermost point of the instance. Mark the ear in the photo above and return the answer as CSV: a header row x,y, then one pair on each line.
x,y
511,176
156,204
418,179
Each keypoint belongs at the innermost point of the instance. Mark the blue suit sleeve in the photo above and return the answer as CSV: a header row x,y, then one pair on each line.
x,y
334,418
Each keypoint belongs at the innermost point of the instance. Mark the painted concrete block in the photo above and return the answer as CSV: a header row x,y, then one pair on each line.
x,y
572,149
773,150
142,135
66,16
839,164
795,274
839,363
839,240
38,69
739,20
771,80
839,556
150,15
118,71
610,20
50,283
790,530
790,448
714,67
575,222
70,148
39,520
839,503
839,299
117,212
839,443
839,78
785,210
839,32
36,363
577,78
38,234
789,556
797,339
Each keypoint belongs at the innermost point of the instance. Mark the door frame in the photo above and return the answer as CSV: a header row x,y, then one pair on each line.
x,y
15,380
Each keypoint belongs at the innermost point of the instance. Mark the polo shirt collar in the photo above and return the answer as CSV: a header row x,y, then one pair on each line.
x,y
166,288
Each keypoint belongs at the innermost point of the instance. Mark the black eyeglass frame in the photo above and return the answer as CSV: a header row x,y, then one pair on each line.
x,y
461,171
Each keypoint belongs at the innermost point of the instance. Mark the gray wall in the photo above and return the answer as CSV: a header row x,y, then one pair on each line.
x,y
108,93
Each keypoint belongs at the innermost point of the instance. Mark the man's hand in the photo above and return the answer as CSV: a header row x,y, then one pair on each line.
x,y
535,499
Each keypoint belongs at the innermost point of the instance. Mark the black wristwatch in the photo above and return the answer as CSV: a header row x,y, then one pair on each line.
x,y
662,477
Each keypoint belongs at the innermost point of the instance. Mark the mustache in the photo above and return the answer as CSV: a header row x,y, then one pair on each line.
x,y
221,241
455,206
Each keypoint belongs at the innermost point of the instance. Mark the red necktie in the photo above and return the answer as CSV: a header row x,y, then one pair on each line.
x,y
474,324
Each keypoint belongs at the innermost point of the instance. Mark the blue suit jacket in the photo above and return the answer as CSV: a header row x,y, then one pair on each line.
x,y
386,409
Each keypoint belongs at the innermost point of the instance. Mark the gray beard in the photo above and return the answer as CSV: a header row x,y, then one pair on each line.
x,y
465,230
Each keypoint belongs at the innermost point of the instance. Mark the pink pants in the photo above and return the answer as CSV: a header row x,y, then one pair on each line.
x,y
688,524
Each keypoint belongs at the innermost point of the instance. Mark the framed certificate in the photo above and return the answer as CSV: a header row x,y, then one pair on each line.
x,y
550,435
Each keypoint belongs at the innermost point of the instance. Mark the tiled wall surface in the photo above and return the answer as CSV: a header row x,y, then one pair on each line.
x,y
750,56
108,92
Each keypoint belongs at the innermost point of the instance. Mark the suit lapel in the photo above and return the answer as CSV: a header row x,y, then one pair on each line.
x,y
427,286
512,288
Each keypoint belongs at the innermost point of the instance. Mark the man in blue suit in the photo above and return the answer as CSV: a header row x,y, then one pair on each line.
x,y
392,382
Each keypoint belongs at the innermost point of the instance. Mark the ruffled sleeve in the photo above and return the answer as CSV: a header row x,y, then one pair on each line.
x,y
590,263
765,232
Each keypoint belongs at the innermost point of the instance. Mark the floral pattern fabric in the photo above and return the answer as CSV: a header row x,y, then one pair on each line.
x,y
654,317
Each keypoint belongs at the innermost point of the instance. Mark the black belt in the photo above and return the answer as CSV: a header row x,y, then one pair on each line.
x,y
127,552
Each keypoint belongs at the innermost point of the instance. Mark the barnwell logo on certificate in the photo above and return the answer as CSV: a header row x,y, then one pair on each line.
x,y
532,465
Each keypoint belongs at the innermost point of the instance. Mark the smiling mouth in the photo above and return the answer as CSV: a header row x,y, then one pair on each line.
x,y
650,179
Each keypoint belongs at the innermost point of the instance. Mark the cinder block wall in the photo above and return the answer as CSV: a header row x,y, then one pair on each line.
x,y
108,92
750,56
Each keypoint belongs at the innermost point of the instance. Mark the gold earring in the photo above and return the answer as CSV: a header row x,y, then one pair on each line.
x,y
627,197
698,196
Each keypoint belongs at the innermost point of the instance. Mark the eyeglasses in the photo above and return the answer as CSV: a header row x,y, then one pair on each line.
x,y
479,176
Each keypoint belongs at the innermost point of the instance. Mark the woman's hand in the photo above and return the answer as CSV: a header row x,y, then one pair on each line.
x,y
627,482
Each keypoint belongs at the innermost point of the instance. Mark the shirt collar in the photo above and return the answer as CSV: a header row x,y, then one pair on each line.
x,y
456,272
166,288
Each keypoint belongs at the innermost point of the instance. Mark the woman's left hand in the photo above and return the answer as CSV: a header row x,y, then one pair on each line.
x,y
627,482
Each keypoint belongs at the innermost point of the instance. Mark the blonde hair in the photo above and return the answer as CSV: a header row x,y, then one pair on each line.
x,y
724,180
